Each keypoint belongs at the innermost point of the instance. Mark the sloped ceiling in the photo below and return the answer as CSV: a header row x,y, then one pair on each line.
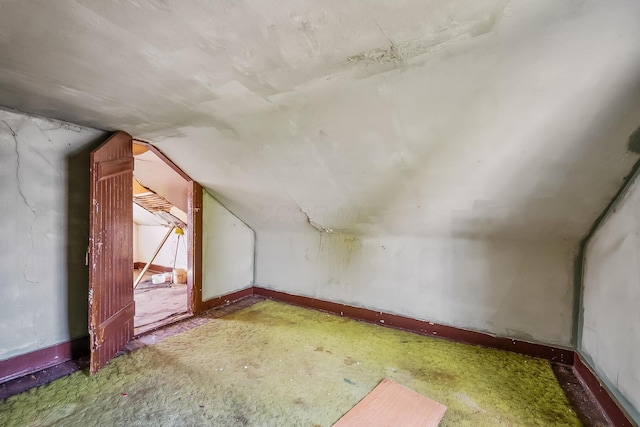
x,y
156,175
494,118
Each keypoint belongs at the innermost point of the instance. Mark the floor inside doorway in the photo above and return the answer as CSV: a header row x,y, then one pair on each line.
x,y
157,304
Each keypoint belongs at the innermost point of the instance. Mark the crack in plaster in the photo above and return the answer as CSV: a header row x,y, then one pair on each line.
x,y
401,53
321,228
159,139
15,140
61,125
394,52
47,129
24,199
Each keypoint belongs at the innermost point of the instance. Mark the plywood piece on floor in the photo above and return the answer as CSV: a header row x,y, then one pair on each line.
x,y
390,404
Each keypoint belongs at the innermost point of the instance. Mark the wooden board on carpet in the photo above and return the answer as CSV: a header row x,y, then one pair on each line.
x,y
390,404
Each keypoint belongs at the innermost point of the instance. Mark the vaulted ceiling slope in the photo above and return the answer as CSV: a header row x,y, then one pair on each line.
x,y
494,118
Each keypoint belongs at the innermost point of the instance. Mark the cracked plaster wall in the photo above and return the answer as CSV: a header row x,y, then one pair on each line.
x,y
468,155
44,224
478,139
468,179
610,317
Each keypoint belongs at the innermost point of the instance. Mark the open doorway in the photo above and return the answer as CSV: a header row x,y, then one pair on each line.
x,y
161,229
110,251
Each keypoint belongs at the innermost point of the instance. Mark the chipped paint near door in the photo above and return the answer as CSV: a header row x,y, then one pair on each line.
x,y
111,304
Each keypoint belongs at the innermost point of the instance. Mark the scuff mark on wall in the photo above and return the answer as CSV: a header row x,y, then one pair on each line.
x,y
521,335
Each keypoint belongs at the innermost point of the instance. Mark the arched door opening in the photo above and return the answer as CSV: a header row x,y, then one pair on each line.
x,y
162,230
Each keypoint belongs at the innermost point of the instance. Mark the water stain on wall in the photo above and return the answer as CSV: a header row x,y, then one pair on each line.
x,y
336,253
634,141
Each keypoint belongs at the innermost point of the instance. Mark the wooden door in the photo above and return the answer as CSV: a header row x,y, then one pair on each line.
x,y
111,304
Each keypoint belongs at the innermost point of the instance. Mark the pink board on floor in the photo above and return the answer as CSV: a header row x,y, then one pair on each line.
x,y
390,404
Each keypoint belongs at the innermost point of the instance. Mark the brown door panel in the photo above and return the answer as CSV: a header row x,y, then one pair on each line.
x,y
111,304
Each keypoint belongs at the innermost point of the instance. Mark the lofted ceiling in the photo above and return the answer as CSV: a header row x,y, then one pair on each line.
x,y
153,173
494,118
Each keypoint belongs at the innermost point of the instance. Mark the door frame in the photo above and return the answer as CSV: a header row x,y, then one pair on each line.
x,y
194,235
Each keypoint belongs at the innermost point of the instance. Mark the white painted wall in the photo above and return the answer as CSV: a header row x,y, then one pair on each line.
x,y
520,289
481,139
227,251
610,329
44,225
149,237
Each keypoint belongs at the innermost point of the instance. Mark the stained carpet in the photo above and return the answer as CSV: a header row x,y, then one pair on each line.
x,y
273,364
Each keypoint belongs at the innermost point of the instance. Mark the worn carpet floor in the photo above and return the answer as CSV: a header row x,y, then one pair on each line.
x,y
273,364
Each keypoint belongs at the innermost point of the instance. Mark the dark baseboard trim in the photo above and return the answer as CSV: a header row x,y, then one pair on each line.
x,y
38,360
44,358
153,267
226,299
588,379
592,383
42,377
553,354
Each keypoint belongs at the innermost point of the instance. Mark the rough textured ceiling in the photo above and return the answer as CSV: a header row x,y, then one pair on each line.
x,y
501,119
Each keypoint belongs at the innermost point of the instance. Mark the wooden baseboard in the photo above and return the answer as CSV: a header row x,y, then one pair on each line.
x,y
51,356
44,358
553,354
592,383
153,267
29,363
225,299
589,380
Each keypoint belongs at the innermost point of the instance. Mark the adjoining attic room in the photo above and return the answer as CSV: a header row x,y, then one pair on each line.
x,y
160,242
462,170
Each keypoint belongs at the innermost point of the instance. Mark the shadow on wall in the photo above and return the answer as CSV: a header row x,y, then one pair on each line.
x,y
78,183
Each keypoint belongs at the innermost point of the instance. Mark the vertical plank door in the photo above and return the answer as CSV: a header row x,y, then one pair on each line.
x,y
111,304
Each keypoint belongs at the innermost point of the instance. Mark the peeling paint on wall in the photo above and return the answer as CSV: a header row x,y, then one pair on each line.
x,y
452,31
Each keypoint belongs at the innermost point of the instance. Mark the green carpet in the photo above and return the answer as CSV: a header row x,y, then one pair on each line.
x,y
273,364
